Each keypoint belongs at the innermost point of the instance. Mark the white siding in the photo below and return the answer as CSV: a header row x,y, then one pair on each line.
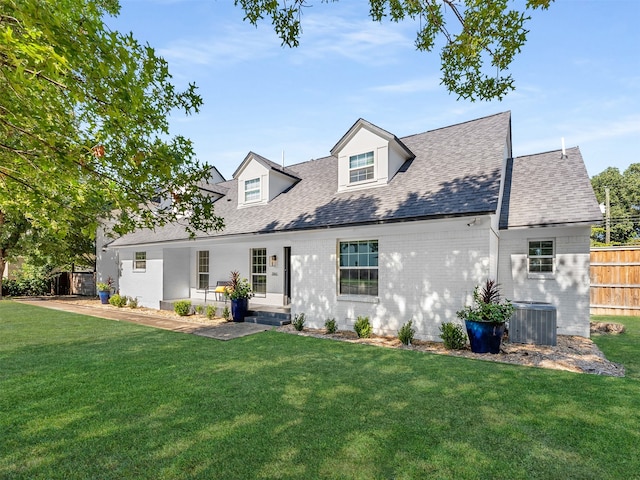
x,y
252,170
145,285
568,290
107,262
176,273
427,271
362,142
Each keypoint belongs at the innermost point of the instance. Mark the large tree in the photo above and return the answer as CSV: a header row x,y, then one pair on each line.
x,y
84,132
624,201
479,38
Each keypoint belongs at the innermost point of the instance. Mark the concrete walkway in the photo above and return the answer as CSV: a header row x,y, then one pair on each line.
x,y
223,331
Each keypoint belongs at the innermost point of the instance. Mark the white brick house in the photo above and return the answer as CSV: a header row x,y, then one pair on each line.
x,y
395,229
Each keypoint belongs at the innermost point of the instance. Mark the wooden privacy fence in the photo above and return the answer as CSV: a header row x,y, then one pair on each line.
x,y
615,281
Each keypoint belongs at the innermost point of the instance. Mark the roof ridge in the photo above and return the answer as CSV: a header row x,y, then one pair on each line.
x,y
557,150
458,124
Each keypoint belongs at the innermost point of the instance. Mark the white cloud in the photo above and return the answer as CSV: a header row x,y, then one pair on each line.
x,y
426,84
231,44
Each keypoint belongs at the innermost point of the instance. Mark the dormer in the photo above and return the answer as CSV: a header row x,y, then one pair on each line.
x,y
261,180
368,156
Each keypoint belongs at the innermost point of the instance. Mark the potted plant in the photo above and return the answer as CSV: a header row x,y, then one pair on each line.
x,y
104,290
239,291
485,318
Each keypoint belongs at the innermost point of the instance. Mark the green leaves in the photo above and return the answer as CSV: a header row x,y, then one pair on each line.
x,y
474,61
624,200
70,88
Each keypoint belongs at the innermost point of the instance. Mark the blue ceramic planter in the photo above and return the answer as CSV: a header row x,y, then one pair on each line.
x,y
484,337
104,297
239,309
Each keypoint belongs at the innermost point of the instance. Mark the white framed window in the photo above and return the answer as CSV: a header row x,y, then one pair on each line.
x,y
541,256
361,167
252,190
358,268
259,271
203,269
140,261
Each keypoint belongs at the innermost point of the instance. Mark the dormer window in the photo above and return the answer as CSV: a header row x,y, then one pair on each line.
x,y
361,167
252,190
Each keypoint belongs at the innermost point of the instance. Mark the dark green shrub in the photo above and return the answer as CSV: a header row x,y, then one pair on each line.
x,y
31,280
453,336
182,307
298,321
118,300
406,333
211,311
363,327
331,325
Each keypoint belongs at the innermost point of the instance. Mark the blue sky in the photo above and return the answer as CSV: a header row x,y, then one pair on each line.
x,y
578,77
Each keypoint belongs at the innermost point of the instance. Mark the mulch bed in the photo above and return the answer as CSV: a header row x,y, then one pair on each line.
x,y
572,353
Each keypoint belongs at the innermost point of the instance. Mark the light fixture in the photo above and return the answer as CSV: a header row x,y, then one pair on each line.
x,y
273,261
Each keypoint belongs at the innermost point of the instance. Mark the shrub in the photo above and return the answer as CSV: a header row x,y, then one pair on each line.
x,y
199,309
182,307
298,321
226,313
118,300
31,280
331,325
211,311
363,327
133,302
453,336
406,333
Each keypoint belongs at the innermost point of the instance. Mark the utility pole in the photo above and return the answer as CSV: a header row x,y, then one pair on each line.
x,y
607,237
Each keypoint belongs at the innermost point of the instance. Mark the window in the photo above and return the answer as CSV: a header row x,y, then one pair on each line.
x,y
140,262
259,271
541,256
252,190
359,268
203,270
361,167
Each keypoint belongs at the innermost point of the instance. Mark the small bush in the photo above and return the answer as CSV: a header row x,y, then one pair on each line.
x,y
132,302
363,327
118,300
298,321
331,325
199,309
182,307
226,313
406,333
211,311
453,336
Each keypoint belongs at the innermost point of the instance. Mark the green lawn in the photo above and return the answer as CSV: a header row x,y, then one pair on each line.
x,y
82,397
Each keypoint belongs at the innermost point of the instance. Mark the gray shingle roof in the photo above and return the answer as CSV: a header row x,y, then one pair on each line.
x,y
548,189
455,172
267,163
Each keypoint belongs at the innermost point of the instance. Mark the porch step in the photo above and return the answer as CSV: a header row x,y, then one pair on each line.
x,y
264,317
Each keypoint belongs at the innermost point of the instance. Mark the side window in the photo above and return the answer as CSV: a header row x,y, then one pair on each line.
x,y
203,269
541,256
140,261
358,268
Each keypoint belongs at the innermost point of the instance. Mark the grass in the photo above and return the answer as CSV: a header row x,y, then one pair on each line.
x,y
624,349
82,397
